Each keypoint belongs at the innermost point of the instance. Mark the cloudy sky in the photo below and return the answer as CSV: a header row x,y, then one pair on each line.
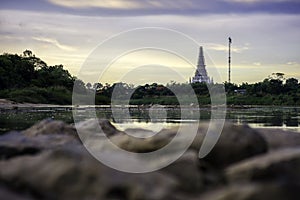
x,y
265,34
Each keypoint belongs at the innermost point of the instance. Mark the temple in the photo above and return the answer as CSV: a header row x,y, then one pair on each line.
x,y
201,73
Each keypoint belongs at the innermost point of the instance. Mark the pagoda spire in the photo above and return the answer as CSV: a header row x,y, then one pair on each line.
x,y
201,61
201,73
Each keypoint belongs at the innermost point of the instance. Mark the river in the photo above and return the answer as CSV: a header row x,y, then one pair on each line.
x,y
287,118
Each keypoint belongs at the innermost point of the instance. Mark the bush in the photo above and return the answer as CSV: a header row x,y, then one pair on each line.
x,y
51,95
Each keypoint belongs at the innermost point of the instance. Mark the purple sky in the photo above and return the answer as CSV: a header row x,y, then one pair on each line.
x,y
147,7
265,33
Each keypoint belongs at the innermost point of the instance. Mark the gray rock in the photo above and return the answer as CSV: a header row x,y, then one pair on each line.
x,y
187,170
283,165
107,127
237,142
192,174
143,145
17,144
277,138
7,194
46,161
253,191
49,126
96,126
69,174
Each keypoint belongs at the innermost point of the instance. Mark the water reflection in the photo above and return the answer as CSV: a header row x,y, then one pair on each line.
x,y
279,117
266,117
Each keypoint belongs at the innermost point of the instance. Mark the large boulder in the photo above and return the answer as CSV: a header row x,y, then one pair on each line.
x,y
283,165
49,126
187,170
71,174
236,142
17,144
192,173
143,145
277,138
252,191
47,161
8,194
87,129
91,127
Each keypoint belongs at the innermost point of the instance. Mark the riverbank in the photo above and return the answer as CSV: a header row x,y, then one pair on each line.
x,y
48,161
8,104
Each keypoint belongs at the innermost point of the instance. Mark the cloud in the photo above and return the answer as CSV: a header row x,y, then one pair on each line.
x,y
292,63
132,4
258,1
178,7
135,7
154,7
274,39
55,43
257,63
221,47
114,4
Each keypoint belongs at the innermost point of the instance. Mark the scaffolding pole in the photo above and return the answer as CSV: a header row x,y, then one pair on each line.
x,y
229,59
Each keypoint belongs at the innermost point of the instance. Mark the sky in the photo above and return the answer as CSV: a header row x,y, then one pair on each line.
x,y
265,37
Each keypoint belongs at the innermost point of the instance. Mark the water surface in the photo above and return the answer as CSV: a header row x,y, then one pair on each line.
x,y
262,117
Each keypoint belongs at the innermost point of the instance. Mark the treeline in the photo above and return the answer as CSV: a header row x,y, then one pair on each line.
x,y
154,93
26,78
274,90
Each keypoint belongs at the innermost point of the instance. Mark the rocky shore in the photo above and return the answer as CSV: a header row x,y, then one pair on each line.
x,y
48,161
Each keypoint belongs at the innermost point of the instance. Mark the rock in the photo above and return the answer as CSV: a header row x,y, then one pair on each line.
x,y
283,165
139,132
276,138
46,161
49,126
92,126
237,142
192,175
70,174
187,170
11,195
86,128
253,191
143,145
17,144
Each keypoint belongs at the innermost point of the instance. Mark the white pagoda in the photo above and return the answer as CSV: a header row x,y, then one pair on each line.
x,y
201,73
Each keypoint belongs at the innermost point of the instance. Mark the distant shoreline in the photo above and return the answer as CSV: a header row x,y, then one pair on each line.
x,y
9,105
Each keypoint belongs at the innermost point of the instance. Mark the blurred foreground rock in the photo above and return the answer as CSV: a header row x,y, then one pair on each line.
x,y
271,166
71,174
235,143
277,139
49,126
49,161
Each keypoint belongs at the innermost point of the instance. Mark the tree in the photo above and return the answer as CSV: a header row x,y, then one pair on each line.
x,y
15,72
230,87
277,76
30,57
27,53
274,83
54,76
79,87
291,85
97,86
89,85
